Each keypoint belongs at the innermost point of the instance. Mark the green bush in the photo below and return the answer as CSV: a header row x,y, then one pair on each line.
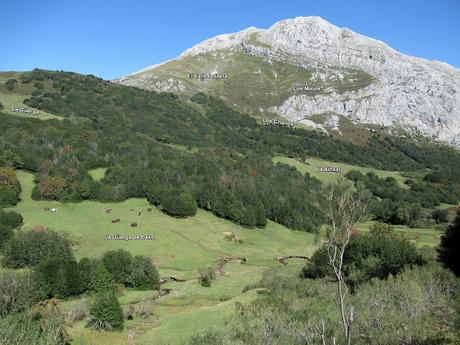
x,y
173,201
8,196
59,276
206,276
29,248
440,215
414,307
105,312
144,274
5,234
10,188
318,266
27,328
248,218
261,218
378,254
94,276
119,263
10,219
180,204
19,291
448,249
10,83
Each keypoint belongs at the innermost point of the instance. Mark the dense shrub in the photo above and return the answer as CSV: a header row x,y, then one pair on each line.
x,y
105,312
396,205
94,276
19,291
5,234
206,276
318,266
29,248
144,274
59,276
10,188
119,263
50,188
10,219
415,307
449,253
440,215
10,83
378,254
27,328
177,202
180,204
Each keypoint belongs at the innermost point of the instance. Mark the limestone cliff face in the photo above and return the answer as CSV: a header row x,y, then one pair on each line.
x,y
397,90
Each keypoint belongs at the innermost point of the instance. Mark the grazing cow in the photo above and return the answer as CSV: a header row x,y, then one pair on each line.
x,y
229,236
139,214
54,210
109,210
115,220
133,225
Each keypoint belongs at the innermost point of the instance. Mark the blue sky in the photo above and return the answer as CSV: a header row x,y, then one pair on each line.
x,y
114,38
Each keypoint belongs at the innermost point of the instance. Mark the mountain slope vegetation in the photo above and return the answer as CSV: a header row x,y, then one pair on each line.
x,y
226,166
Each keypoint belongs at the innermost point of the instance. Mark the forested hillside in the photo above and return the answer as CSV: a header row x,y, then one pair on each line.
x,y
183,154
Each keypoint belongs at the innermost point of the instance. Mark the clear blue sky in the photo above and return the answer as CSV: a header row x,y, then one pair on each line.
x,y
114,38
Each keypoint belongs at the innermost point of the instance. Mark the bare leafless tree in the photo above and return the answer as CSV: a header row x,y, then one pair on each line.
x,y
342,207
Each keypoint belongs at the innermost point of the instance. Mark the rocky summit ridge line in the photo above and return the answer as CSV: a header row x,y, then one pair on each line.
x,y
304,68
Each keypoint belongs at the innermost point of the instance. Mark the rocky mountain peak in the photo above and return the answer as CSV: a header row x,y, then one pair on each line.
x,y
306,28
354,76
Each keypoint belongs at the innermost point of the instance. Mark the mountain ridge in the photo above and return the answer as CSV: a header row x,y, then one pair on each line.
x,y
354,76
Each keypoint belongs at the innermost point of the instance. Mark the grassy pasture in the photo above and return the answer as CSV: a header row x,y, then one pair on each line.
x,y
312,163
180,248
16,99
97,174
420,236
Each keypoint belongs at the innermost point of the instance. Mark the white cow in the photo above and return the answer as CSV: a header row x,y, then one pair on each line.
x,y
54,210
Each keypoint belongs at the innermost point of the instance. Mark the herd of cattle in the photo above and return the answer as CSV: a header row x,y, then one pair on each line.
x,y
107,211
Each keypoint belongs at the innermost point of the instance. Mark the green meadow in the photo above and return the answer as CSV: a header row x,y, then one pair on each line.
x,y
420,236
312,163
180,248
16,98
